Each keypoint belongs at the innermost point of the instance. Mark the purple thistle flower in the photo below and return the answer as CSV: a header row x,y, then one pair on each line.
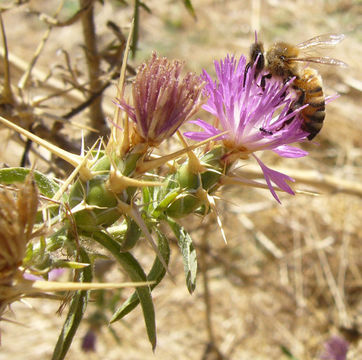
x,y
256,118
162,100
335,348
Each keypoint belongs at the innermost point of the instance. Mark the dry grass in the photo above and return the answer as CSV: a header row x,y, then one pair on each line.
x,y
290,275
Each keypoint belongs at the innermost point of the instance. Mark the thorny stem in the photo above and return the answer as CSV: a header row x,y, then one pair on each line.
x,y
93,63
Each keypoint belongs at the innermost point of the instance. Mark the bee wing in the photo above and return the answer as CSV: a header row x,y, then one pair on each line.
x,y
325,60
321,41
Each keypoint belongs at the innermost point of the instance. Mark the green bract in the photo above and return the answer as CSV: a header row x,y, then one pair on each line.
x,y
99,204
190,197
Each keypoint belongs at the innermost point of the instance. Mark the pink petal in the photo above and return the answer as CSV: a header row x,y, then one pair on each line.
x,y
209,131
198,136
277,178
121,103
52,275
55,274
290,151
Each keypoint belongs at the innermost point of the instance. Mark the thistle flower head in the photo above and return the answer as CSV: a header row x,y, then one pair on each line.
x,y
162,100
256,117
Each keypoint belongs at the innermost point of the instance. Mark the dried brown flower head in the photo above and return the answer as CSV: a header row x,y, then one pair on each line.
x,y
17,217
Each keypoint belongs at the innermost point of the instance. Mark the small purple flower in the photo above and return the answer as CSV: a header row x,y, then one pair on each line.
x,y
53,275
89,341
255,118
335,348
162,100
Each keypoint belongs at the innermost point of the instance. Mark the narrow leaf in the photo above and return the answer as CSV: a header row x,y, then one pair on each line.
x,y
164,203
288,353
46,186
188,253
190,8
136,274
77,309
156,274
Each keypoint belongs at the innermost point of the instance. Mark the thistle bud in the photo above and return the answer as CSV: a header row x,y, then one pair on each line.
x,y
193,186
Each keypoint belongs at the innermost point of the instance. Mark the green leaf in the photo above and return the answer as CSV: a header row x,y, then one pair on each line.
x,y
136,273
57,240
165,202
190,8
77,309
132,235
69,264
46,186
188,254
288,353
146,196
156,274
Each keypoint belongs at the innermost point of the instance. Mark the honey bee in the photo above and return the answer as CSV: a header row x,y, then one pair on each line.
x,y
285,61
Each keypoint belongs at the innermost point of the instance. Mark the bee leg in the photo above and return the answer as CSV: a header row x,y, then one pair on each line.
x,y
247,67
285,81
263,82
256,73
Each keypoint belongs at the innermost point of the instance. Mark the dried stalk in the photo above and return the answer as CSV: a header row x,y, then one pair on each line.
x,y
7,95
93,62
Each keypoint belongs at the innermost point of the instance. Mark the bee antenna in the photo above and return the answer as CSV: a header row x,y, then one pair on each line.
x,y
256,36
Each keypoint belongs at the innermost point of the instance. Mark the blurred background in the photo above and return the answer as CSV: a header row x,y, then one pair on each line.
x,y
290,276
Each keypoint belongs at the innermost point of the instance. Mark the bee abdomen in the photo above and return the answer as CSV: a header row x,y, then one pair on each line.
x,y
315,111
320,105
314,114
317,89
313,123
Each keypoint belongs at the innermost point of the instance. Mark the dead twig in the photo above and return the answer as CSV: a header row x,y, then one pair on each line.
x,y
93,63
7,95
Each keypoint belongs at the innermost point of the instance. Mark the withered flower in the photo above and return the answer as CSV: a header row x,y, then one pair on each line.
x,y
17,218
162,100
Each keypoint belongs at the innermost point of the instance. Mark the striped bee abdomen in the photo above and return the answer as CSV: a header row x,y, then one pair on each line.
x,y
310,83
